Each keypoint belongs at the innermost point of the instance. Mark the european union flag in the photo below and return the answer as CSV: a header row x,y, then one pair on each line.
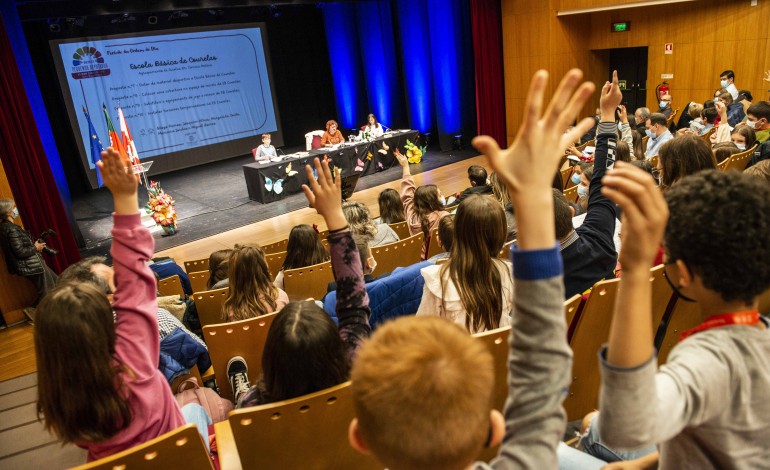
x,y
96,148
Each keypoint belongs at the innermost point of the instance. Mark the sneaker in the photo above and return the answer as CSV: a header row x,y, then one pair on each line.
x,y
237,372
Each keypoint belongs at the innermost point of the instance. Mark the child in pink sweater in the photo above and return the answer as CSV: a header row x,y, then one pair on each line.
x,y
99,383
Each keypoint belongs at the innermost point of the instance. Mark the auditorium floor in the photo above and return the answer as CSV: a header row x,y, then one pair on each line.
x,y
212,198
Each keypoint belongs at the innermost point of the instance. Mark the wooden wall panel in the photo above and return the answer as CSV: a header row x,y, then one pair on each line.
x,y
15,292
709,36
579,4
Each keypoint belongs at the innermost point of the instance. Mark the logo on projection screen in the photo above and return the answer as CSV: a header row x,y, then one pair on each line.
x,y
87,62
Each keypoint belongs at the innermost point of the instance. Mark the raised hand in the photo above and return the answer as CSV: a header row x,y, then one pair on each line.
x,y
623,114
532,159
325,194
645,214
722,110
121,182
610,98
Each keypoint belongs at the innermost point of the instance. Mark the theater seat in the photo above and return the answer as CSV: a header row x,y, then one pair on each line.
x,y
313,139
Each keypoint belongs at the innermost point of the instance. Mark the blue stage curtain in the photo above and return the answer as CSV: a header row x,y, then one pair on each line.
x,y
412,17
345,56
378,54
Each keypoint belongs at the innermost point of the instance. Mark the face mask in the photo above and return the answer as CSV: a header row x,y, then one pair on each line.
x,y
15,212
442,199
649,133
716,100
575,178
724,83
676,289
741,147
752,124
663,104
582,191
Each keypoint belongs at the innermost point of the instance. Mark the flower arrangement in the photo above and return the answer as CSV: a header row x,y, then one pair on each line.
x,y
161,205
414,152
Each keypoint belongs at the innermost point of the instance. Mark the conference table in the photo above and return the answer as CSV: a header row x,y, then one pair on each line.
x,y
273,180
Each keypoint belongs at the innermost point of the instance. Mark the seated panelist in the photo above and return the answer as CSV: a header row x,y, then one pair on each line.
x,y
332,136
372,126
265,151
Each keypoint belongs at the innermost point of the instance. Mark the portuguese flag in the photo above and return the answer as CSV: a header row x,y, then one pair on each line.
x,y
115,141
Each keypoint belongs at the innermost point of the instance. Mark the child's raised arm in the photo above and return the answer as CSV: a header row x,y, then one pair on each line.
x,y
540,359
137,343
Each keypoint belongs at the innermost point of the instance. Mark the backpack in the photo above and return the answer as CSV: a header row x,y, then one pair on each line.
x,y
761,153
190,392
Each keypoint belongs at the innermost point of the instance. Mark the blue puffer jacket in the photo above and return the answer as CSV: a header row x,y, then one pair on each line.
x,y
390,297
179,352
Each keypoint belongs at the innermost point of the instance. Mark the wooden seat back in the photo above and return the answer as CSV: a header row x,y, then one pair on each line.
x,y
566,174
571,194
308,282
275,247
398,254
707,135
497,341
434,248
764,302
170,286
323,234
591,331
401,229
196,265
199,281
653,161
183,444
737,162
661,296
684,315
274,262
209,305
245,338
309,432
505,251
571,306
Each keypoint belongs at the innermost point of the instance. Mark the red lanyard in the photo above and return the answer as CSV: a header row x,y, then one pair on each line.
x,y
747,318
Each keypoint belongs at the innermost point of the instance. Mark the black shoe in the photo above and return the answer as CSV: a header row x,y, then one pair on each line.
x,y
237,372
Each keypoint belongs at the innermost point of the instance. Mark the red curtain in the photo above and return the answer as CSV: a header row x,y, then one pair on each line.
x,y
26,165
486,24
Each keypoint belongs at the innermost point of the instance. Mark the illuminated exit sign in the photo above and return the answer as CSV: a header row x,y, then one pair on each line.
x,y
621,27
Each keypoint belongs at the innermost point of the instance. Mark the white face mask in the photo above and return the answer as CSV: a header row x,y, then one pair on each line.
x,y
752,124
724,83
741,147
582,191
15,212
442,199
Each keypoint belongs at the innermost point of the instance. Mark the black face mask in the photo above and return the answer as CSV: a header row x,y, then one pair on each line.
x,y
676,289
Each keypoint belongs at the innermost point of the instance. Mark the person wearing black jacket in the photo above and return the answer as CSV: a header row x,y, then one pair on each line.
x,y
589,252
22,253
477,176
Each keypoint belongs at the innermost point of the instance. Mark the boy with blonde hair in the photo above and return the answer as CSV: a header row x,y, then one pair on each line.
x,y
422,387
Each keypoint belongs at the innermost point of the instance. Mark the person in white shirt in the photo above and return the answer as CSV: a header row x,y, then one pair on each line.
x,y
726,80
265,151
657,133
372,126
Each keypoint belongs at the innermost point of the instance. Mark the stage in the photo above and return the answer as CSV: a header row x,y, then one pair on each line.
x,y
213,198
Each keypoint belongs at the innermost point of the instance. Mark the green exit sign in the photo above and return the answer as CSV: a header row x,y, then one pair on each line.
x,y
621,27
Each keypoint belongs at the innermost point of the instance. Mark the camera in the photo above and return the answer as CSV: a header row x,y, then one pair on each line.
x,y
42,239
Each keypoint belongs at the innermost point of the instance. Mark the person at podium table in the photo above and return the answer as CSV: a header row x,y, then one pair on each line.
x,y
372,126
265,151
332,136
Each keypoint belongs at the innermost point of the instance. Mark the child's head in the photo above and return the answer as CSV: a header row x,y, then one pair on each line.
x,y
427,200
391,207
479,234
477,175
218,266
359,218
743,136
303,353
251,293
695,110
75,353
266,139
724,150
422,389
758,115
685,155
717,232
622,152
563,213
446,231
304,248
709,115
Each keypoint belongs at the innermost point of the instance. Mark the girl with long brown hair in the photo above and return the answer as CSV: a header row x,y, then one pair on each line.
x,y
251,292
475,288
98,380
423,205
303,249
391,207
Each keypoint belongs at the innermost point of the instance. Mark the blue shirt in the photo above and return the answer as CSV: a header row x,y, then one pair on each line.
x,y
654,143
